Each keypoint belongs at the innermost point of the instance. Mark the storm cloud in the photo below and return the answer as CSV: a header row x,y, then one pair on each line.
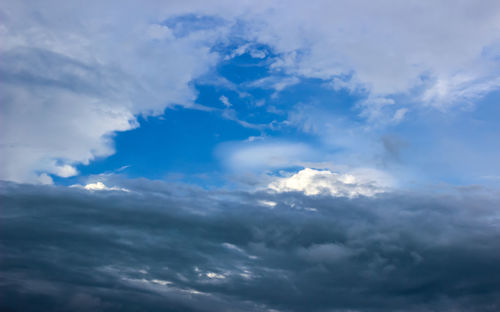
x,y
168,247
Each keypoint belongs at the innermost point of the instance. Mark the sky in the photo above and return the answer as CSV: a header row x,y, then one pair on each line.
x,y
250,155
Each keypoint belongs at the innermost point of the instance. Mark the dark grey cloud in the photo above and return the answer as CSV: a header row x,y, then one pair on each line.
x,y
164,247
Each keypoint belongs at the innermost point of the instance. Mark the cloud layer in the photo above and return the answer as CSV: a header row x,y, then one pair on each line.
x,y
163,247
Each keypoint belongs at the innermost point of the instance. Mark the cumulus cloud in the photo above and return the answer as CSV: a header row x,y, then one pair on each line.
x,y
178,248
99,186
315,182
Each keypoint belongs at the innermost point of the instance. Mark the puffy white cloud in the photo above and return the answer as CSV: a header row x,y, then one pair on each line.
x,y
316,182
99,186
45,179
66,171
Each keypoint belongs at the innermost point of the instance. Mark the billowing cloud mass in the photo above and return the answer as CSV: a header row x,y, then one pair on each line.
x,y
314,182
75,74
390,47
186,249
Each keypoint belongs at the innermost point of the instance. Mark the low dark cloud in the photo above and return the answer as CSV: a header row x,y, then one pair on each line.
x,y
165,247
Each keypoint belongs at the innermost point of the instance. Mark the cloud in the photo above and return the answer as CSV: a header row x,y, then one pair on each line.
x,y
225,101
174,247
387,48
253,51
261,155
316,182
73,76
160,32
66,171
274,82
231,114
99,186
45,179
399,115
327,253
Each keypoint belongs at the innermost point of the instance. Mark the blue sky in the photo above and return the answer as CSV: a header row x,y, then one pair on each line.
x,y
185,142
457,145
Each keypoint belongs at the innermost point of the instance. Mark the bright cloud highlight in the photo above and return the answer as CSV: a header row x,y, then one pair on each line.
x,y
324,182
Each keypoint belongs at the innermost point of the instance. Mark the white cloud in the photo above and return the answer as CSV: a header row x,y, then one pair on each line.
x,y
262,155
65,171
45,179
276,83
399,115
161,282
213,275
99,186
247,48
42,128
316,182
387,47
233,247
231,114
447,91
267,203
225,101
160,32
74,75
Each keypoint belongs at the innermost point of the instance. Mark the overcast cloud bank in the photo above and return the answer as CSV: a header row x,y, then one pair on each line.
x,y
164,247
